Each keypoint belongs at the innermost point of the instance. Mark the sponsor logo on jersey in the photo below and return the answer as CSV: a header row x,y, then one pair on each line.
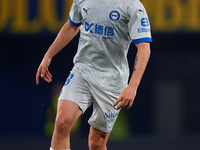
x,y
105,31
144,23
144,30
114,15
110,115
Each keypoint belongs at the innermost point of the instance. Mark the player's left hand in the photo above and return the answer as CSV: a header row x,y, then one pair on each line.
x,y
126,98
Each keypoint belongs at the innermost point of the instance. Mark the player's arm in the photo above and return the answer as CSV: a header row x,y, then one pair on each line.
x,y
127,96
66,34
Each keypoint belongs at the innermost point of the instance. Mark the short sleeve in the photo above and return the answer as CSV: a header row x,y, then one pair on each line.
x,y
139,26
75,15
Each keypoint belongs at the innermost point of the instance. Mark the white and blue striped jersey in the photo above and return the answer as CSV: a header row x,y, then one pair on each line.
x,y
107,29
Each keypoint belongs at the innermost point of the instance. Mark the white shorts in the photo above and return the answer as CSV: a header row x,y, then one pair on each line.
x,y
79,91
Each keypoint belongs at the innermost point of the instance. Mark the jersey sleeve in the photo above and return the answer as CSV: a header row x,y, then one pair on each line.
x,y
75,15
139,26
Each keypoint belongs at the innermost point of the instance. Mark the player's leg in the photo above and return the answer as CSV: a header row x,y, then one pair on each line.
x,y
97,139
103,117
67,114
74,99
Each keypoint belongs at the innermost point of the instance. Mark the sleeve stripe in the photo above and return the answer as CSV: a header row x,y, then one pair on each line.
x,y
73,23
142,40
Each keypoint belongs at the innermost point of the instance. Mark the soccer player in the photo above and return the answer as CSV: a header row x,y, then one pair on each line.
x,y
100,73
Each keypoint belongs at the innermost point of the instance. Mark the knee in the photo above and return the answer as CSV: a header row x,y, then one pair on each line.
x,y
63,125
97,139
95,145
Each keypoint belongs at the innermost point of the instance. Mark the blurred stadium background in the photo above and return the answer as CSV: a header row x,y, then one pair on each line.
x,y
166,111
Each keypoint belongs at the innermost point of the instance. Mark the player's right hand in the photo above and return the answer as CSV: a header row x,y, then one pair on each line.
x,y
43,71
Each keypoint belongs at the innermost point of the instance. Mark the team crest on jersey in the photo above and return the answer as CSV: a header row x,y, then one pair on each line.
x,y
114,15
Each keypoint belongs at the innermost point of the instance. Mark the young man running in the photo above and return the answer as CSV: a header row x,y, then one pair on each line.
x,y
100,73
